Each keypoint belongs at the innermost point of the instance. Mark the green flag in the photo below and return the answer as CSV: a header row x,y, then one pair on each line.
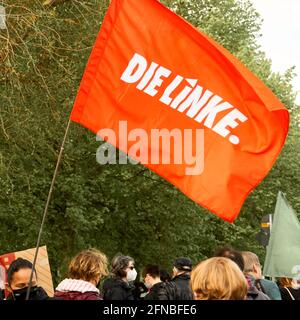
x,y
283,251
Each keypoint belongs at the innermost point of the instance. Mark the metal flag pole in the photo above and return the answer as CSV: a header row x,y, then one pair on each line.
x,y
46,208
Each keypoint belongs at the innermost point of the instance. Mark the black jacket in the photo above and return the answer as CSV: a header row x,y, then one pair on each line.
x,y
36,293
157,292
179,288
117,289
286,295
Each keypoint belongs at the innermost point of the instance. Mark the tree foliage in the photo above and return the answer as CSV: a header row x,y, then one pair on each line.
x,y
117,208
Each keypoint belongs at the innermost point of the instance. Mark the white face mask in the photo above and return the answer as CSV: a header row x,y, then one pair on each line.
x,y
131,275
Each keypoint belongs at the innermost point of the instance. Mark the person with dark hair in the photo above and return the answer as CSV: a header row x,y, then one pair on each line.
x,y
85,272
18,277
179,287
151,276
165,275
234,255
120,285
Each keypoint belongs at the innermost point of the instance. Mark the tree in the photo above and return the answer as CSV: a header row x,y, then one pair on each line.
x,y
115,208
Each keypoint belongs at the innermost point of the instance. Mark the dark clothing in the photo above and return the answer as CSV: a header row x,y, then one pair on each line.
x,y
254,294
117,289
157,292
287,296
178,288
36,293
75,295
139,290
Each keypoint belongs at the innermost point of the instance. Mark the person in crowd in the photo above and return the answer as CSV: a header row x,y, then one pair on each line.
x,y
120,285
165,275
232,254
18,278
218,278
2,282
84,275
152,280
236,256
140,290
179,287
289,288
252,269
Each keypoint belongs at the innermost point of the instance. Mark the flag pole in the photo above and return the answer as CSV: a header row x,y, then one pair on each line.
x,y
46,207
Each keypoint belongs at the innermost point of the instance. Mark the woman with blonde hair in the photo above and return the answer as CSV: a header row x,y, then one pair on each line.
x,y
218,278
85,272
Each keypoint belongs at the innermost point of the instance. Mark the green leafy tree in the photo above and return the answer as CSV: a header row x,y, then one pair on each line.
x,y
125,208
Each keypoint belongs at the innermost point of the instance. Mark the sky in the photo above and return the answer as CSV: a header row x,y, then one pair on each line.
x,y
281,34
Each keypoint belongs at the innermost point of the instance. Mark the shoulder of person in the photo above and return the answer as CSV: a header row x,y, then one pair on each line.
x,y
254,294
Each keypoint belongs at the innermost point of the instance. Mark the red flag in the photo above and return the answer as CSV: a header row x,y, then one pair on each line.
x,y
154,70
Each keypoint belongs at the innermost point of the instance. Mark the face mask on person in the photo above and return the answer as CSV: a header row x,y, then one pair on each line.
x,y
131,275
20,294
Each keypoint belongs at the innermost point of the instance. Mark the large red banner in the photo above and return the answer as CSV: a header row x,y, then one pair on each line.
x,y
154,70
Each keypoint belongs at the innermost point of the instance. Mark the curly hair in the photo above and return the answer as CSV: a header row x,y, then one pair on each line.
x,y
88,265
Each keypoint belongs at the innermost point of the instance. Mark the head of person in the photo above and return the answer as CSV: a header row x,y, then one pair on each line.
x,y
123,267
89,265
182,265
232,254
251,264
165,275
151,275
18,278
218,278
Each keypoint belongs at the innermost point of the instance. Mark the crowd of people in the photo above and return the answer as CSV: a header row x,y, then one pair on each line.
x,y
228,275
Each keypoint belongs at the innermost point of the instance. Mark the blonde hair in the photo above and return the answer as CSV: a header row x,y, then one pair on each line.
x,y
250,259
218,278
88,265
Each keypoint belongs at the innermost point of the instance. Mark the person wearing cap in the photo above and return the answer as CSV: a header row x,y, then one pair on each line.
x,y
179,287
